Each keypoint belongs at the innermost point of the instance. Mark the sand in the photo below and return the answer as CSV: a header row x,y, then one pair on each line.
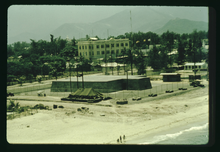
x,y
105,122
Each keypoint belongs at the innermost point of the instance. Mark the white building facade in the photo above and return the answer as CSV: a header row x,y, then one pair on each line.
x,y
95,49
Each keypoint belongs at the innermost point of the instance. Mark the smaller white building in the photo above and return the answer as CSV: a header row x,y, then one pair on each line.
x,y
200,66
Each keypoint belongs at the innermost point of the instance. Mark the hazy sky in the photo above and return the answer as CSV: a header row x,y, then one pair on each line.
x,y
27,17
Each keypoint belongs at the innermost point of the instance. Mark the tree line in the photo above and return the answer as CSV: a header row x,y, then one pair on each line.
x,y
166,49
50,57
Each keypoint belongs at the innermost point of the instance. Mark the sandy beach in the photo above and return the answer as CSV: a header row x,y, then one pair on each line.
x,y
105,122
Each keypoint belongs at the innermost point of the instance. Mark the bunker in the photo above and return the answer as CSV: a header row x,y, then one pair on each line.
x,y
103,83
171,77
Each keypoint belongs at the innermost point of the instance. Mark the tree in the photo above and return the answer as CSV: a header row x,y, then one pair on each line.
x,y
181,52
140,63
14,68
10,51
164,57
68,52
154,58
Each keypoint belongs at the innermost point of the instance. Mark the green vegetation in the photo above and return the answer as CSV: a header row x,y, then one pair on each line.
x,y
19,110
27,60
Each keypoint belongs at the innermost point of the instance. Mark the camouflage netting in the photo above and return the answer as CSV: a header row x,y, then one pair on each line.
x,y
87,93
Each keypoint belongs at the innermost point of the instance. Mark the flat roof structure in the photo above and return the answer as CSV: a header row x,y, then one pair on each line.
x,y
102,83
169,74
171,77
101,78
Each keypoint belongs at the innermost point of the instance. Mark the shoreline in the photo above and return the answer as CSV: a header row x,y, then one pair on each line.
x,y
135,121
146,139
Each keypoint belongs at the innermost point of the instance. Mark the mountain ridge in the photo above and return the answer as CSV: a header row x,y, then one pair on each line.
x,y
183,26
143,19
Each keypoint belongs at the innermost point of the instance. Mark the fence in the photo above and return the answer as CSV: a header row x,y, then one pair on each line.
x,y
52,78
159,89
22,89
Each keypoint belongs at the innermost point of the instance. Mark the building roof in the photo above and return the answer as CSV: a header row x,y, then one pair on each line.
x,y
169,74
173,52
197,64
113,64
102,41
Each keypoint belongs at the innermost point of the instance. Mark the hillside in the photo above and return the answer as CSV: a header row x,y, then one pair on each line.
x,y
183,26
144,19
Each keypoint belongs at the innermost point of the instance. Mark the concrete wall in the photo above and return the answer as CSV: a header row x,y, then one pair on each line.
x,y
108,86
171,78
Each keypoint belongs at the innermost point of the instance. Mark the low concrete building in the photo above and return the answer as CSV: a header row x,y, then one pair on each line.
x,y
103,83
171,77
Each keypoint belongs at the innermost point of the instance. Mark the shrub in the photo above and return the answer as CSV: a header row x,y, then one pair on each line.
x,y
39,79
39,106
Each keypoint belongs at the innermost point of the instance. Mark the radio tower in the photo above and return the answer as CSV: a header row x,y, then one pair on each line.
x,y
131,45
131,21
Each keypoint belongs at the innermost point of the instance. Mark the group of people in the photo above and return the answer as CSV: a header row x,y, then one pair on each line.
x,y
120,139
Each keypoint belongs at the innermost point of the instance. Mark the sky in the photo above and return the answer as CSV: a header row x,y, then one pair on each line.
x,y
29,18
23,18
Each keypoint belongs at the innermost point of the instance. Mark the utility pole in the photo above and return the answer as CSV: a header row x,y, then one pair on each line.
x,y
77,75
127,79
82,75
70,78
105,61
194,64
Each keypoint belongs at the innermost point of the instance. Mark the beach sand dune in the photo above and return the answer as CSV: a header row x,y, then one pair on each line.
x,y
103,124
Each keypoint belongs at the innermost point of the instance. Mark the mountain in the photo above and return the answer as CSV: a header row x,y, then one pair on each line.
x,y
156,19
183,26
190,13
142,19
26,36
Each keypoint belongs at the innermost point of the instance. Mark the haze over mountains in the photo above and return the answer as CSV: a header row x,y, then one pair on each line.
x,y
143,19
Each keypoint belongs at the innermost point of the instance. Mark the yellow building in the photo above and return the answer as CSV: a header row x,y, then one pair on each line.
x,y
95,49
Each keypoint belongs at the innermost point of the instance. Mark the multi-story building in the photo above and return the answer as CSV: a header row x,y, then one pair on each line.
x,y
94,49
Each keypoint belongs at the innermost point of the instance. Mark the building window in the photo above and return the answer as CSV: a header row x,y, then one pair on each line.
x,y
85,47
98,52
107,52
117,51
89,53
122,50
107,45
103,52
117,45
82,47
102,46
80,53
196,66
79,47
126,44
112,45
97,46
199,67
122,44
112,52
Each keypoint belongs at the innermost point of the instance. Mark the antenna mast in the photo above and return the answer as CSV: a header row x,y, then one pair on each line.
x,y
131,21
